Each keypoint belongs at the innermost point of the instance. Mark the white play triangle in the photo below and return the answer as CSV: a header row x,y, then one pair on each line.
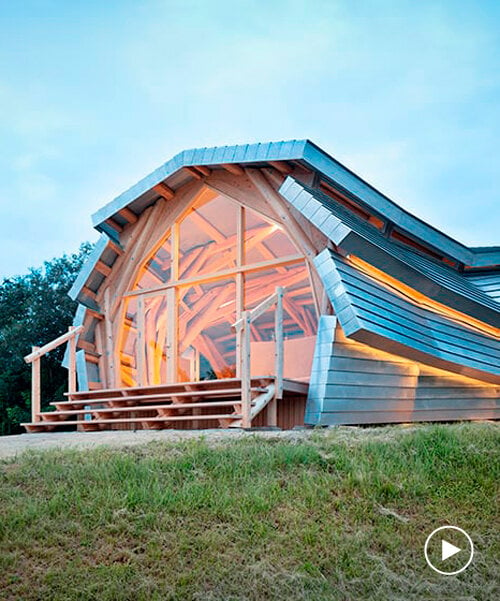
x,y
448,550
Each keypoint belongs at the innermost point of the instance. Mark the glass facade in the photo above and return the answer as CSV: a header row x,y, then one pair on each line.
x,y
216,260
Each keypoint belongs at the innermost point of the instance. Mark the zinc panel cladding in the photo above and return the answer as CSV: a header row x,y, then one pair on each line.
x,y
371,313
346,230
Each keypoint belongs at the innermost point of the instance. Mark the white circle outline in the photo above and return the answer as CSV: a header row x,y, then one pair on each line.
x,y
449,528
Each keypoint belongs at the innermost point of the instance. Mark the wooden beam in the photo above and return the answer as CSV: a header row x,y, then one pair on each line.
x,y
221,275
86,345
94,314
207,227
116,226
164,191
282,167
279,205
115,247
233,168
203,170
194,172
88,292
128,214
103,268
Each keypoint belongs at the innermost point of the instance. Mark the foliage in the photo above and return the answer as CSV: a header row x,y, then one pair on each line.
x,y
34,309
324,516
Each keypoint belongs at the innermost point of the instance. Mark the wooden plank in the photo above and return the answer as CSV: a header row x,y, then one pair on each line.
x,y
132,420
133,408
167,388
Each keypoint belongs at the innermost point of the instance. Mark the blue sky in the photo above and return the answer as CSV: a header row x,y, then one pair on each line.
x,y
94,95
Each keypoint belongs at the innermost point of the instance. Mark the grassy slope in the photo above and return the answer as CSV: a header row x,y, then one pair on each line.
x,y
252,519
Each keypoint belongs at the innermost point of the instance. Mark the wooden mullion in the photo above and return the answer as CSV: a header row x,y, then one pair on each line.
x,y
140,347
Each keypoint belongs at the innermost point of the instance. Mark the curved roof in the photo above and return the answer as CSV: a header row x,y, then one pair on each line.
x,y
198,162
353,235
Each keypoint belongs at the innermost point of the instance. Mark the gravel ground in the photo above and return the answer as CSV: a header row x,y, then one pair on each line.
x,y
10,446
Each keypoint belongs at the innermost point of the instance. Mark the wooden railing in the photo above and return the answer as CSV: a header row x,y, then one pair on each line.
x,y
35,358
243,344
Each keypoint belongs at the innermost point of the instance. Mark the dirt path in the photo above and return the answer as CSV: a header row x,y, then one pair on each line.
x,y
10,446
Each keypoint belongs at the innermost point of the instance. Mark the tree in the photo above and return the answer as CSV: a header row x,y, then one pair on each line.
x,y
34,309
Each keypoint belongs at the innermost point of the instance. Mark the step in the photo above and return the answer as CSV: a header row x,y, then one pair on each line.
x,y
167,388
33,426
128,409
155,397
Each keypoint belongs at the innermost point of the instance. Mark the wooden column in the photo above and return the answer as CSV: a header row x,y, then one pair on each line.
x,y
240,283
109,347
72,363
172,336
272,411
246,380
35,387
141,343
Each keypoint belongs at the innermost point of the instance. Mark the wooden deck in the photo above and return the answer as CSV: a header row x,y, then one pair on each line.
x,y
190,405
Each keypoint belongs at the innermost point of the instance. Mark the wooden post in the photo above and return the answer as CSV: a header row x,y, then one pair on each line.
x,y
172,336
246,380
141,343
35,387
72,362
279,344
110,348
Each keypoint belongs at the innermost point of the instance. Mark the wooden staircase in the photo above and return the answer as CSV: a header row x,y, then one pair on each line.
x,y
187,404
226,403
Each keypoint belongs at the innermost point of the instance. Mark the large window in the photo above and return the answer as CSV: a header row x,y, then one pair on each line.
x,y
216,260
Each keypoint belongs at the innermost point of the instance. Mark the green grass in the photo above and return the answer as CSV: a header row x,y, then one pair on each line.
x,y
339,515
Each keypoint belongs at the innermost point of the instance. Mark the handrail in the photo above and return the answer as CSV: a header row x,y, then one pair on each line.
x,y
243,343
34,358
50,346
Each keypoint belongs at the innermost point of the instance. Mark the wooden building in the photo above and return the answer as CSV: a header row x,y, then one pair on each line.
x,y
267,284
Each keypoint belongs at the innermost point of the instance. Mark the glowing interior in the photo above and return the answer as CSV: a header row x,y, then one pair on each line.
x,y
217,260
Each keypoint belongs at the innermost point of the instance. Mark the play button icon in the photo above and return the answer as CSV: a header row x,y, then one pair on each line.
x,y
448,550
439,550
